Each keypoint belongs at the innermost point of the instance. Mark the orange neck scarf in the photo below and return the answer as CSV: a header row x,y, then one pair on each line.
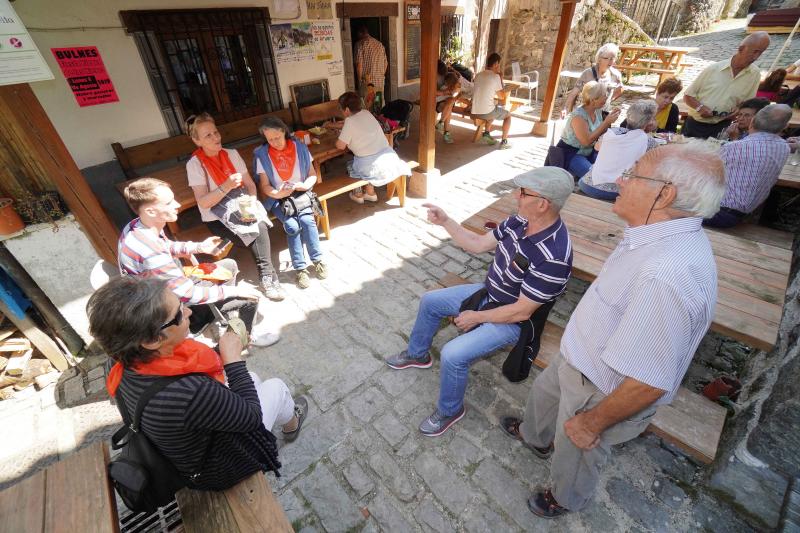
x,y
219,166
188,357
284,159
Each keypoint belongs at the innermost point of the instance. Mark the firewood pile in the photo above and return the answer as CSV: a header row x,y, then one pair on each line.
x,y
21,365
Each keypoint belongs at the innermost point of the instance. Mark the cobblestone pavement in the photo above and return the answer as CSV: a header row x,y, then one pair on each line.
x,y
360,464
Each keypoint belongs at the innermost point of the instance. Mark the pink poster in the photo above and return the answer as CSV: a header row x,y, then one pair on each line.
x,y
86,74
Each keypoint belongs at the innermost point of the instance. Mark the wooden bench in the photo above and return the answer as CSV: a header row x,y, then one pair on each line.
x,y
75,495
332,187
691,422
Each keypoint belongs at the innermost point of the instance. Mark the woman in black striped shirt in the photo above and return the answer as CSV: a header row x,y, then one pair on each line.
x,y
196,422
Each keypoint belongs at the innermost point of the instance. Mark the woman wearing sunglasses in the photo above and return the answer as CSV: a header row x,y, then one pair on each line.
x,y
215,423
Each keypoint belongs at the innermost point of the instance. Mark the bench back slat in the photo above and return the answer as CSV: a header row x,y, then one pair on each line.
x,y
313,114
22,505
149,153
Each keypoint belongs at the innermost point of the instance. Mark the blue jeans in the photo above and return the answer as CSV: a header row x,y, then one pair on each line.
x,y
579,165
461,352
594,192
300,229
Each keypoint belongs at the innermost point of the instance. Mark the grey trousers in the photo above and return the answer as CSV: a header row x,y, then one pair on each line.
x,y
558,394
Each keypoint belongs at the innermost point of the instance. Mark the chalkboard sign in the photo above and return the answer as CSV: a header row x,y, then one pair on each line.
x,y
413,36
310,93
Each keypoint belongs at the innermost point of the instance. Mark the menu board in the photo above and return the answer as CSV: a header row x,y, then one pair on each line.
x,y
413,38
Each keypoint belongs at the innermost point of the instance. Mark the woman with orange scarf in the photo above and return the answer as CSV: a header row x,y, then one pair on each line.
x,y
224,433
221,184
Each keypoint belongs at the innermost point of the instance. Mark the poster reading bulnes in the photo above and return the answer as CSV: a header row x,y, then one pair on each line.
x,y
86,75
20,60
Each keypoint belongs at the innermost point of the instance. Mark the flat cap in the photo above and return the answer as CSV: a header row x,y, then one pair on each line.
x,y
554,183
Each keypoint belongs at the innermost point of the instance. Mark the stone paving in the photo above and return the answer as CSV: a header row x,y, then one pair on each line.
x,y
360,464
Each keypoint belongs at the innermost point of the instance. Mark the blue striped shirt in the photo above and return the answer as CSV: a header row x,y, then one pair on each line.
x,y
549,257
647,311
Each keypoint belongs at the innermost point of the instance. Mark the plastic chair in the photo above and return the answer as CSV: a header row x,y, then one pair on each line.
x,y
524,78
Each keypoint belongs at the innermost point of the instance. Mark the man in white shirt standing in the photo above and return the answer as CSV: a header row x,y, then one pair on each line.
x,y
631,338
487,86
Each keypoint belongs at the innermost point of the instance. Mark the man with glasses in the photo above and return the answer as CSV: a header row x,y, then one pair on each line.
x,y
532,262
714,95
631,338
145,251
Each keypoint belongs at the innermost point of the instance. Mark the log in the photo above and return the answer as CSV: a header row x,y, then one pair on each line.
x,y
14,345
18,361
46,379
34,368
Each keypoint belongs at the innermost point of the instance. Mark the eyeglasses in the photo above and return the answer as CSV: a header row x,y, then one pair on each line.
x,y
627,175
176,320
608,58
523,193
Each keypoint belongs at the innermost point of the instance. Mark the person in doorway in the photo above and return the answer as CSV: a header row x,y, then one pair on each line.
x,y
144,251
632,336
488,85
532,263
602,71
370,59
374,160
714,95
283,169
214,434
222,185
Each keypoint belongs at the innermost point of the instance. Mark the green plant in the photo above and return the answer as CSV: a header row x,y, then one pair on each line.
x,y
451,50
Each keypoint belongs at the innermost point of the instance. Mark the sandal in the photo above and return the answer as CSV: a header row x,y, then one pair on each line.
x,y
300,411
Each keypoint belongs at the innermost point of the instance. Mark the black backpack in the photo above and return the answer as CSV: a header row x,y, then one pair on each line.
x,y
144,479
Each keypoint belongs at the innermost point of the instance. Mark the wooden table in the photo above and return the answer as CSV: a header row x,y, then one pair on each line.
x,y
662,60
752,268
790,175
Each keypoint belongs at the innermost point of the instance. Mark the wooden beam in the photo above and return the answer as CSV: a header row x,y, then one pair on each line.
x,y
21,110
40,340
567,11
431,28
365,9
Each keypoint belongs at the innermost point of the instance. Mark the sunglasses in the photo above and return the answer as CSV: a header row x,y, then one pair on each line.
x,y
177,319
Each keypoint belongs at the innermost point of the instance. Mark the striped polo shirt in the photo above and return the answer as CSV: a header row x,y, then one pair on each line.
x,y
143,252
548,255
647,311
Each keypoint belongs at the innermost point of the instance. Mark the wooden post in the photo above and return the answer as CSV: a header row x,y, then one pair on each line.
x,y
431,28
567,11
21,110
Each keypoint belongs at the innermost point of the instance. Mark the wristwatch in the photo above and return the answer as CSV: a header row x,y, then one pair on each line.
x,y
698,108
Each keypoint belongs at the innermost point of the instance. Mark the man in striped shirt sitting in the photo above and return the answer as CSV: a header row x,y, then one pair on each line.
x,y
532,263
631,338
145,251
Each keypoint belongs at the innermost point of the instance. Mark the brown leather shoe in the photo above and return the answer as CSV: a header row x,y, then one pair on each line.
x,y
510,426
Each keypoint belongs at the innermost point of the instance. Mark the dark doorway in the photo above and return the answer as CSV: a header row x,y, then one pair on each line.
x,y
379,29
494,30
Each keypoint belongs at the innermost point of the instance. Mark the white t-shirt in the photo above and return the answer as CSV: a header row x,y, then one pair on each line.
x,y
363,134
618,152
484,89
197,176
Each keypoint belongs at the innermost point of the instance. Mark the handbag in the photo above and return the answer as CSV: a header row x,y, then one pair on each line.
x,y
300,201
144,479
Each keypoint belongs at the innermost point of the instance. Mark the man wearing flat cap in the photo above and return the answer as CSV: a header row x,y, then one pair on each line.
x,y
532,263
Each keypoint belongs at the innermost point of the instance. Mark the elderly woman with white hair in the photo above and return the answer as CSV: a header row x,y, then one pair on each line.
x,y
618,150
583,127
601,71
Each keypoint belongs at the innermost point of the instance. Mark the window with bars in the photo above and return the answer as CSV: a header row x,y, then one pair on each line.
x,y
214,60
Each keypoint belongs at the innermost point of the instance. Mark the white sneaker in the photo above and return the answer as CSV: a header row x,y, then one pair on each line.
x,y
264,339
371,197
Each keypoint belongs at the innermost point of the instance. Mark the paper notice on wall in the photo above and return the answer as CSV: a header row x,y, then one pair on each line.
x,y
285,9
319,9
323,39
20,60
292,43
86,75
335,67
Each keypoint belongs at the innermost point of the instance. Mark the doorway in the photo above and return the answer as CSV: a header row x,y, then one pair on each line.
x,y
378,28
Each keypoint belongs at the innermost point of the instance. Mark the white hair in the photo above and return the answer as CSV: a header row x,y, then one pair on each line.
x,y
608,48
695,170
641,113
772,118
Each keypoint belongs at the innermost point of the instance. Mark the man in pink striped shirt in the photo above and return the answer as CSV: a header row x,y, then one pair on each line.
x,y
144,250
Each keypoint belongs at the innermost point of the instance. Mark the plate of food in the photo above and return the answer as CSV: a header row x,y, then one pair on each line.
x,y
208,271
317,130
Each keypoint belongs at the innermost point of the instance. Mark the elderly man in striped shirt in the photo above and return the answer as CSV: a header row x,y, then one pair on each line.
x,y
532,262
753,165
145,251
631,338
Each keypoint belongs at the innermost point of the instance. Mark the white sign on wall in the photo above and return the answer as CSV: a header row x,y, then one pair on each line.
x,y
20,60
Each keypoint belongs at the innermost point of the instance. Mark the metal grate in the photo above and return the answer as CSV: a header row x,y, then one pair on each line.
x,y
167,519
214,60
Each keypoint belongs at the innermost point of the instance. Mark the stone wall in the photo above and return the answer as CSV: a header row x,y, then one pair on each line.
x,y
698,15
